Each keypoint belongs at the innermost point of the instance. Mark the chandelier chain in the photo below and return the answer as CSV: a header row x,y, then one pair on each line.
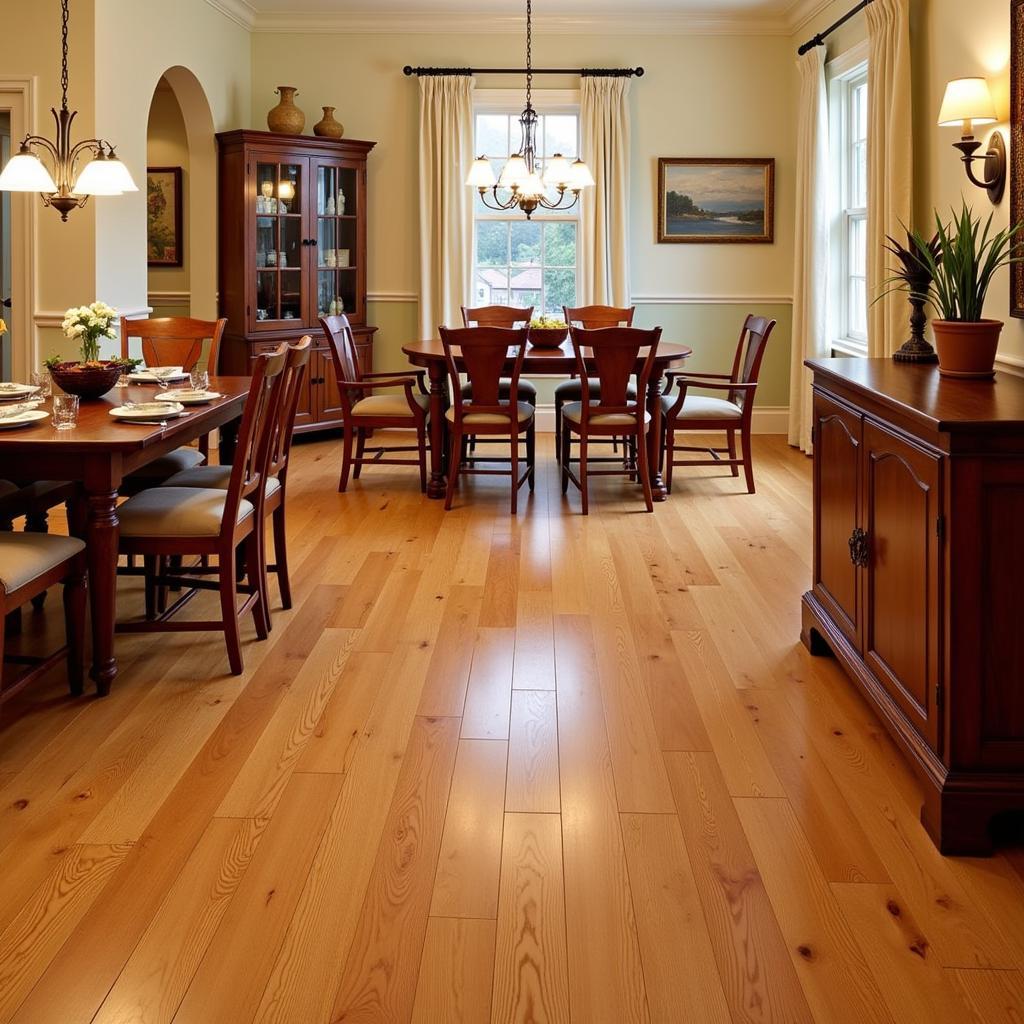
x,y
64,54
529,51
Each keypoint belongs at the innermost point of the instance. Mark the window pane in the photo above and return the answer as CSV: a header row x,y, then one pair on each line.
x,y
858,246
858,307
559,290
492,243
860,125
491,288
859,176
560,135
560,244
492,135
525,243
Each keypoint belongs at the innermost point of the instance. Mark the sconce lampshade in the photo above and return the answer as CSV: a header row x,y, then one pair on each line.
x,y
967,100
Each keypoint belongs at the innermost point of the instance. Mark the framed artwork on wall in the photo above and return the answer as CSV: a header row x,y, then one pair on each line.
x,y
1017,146
709,200
164,242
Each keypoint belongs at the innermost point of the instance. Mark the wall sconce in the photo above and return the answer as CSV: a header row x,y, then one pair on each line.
x,y
968,102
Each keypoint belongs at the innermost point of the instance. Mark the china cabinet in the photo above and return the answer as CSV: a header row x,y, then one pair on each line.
x,y
292,248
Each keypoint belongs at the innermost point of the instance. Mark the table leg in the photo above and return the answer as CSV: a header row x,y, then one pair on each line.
x,y
101,536
654,386
228,442
438,375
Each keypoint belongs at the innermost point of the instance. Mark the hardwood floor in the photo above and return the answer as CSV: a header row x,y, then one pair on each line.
x,y
548,769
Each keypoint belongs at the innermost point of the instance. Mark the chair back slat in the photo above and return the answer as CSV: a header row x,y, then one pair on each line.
x,y
259,424
746,366
595,317
294,381
483,353
342,343
175,341
496,316
615,352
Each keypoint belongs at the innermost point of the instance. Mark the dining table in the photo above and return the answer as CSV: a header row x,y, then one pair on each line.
x,y
556,362
97,454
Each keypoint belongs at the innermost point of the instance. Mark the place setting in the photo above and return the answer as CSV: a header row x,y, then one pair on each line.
x,y
154,413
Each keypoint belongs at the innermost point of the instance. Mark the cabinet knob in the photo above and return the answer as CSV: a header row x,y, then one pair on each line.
x,y
859,548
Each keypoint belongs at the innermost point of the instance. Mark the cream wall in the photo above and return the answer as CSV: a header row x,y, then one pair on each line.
x,y
674,113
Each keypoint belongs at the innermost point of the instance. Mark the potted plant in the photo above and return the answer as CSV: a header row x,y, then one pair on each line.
x,y
547,332
914,277
91,376
962,270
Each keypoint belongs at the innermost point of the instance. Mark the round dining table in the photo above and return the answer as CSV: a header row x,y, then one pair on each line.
x,y
557,362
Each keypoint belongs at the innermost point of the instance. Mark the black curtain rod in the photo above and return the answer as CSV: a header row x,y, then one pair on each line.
x,y
819,39
583,72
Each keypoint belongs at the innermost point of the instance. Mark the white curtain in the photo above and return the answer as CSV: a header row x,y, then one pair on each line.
x,y
810,286
890,163
446,212
604,242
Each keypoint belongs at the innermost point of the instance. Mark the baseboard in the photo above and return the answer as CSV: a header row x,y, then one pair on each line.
x,y
769,419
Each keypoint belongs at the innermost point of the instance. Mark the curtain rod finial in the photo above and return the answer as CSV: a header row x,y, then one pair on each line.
x,y
407,70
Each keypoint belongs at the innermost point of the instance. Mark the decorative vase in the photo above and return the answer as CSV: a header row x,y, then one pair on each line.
x,y
286,118
328,126
916,349
86,381
967,349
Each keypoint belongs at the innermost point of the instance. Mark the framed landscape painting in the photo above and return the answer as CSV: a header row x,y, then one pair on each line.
x,y
710,200
163,216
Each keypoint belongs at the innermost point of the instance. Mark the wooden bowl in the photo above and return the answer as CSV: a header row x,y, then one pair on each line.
x,y
547,337
86,381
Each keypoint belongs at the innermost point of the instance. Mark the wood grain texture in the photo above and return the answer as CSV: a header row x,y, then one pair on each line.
x,y
532,781
455,973
488,704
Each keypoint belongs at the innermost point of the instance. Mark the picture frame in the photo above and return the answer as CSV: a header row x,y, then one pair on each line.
x,y
716,200
1017,146
164,240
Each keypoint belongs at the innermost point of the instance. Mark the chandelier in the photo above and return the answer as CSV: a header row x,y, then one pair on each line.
x,y
526,189
65,189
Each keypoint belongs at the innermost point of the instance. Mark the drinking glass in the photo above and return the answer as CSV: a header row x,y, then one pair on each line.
x,y
65,411
42,380
200,380
163,378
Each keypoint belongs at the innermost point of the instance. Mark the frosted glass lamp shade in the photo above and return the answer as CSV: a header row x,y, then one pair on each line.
x,y
481,174
515,172
580,177
531,187
98,178
120,175
967,101
25,172
558,171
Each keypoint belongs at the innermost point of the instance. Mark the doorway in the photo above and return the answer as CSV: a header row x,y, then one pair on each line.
x,y
6,339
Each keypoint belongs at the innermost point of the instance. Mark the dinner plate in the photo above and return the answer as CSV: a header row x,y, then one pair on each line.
x,y
23,419
147,411
186,396
148,376
10,391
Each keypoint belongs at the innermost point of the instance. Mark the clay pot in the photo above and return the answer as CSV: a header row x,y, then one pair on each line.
x,y
329,127
967,349
286,118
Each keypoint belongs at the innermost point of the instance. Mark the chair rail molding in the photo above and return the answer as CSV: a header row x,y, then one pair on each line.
x,y
712,300
392,297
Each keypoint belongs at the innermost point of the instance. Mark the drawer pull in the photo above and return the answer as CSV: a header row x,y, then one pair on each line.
x,y
859,548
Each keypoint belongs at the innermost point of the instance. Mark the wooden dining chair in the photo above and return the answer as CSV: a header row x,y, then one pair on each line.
x,y
277,468
363,412
29,564
731,413
172,341
161,523
483,352
615,352
590,318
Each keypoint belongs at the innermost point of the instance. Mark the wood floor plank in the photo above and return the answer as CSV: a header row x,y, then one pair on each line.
x,y
995,997
381,632
379,982
501,587
532,781
488,706
530,970
534,665
444,692
466,882
757,974
455,973
364,590
229,982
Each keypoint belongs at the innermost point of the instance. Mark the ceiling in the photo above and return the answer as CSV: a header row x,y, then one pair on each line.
x,y
445,16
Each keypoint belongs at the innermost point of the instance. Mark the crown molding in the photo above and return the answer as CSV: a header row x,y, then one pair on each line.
x,y
237,11
800,12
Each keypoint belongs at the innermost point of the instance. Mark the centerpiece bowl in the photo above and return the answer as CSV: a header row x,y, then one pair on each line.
x,y
547,337
87,380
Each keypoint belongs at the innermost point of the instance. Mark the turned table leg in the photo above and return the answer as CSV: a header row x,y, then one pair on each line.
x,y
654,385
437,374
101,537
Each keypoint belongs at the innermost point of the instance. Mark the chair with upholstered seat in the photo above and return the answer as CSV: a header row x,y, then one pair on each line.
x,y
277,467
730,413
500,316
29,564
363,412
606,410
172,341
174,522
482,353
590,318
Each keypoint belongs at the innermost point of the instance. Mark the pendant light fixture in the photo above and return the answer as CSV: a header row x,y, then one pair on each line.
x,y
64,188
525,187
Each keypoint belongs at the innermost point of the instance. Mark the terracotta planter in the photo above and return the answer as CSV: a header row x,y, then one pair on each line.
x,y
286,118
329,127
547,337
86,381
967,349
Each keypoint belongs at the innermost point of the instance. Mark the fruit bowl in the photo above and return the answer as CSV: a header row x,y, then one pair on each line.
x,y
547,337
87,380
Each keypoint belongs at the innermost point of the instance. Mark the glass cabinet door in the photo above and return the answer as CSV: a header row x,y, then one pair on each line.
x,y
280,195
338,274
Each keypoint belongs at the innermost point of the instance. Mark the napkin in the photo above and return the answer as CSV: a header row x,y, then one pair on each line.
x,y
9,411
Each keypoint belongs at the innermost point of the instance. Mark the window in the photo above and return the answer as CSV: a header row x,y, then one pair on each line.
x,y
848,124
520,262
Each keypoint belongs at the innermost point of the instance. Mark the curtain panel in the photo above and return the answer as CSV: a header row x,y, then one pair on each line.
x,y
890,164
446,210
604,229
810,285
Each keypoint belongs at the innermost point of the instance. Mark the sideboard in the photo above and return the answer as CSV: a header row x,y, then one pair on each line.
x,y
918,566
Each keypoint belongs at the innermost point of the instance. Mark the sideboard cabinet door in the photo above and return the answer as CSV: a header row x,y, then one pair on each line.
x,y
902,584
837,479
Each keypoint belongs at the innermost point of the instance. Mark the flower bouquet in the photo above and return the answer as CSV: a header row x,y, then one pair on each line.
x,y
91,376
